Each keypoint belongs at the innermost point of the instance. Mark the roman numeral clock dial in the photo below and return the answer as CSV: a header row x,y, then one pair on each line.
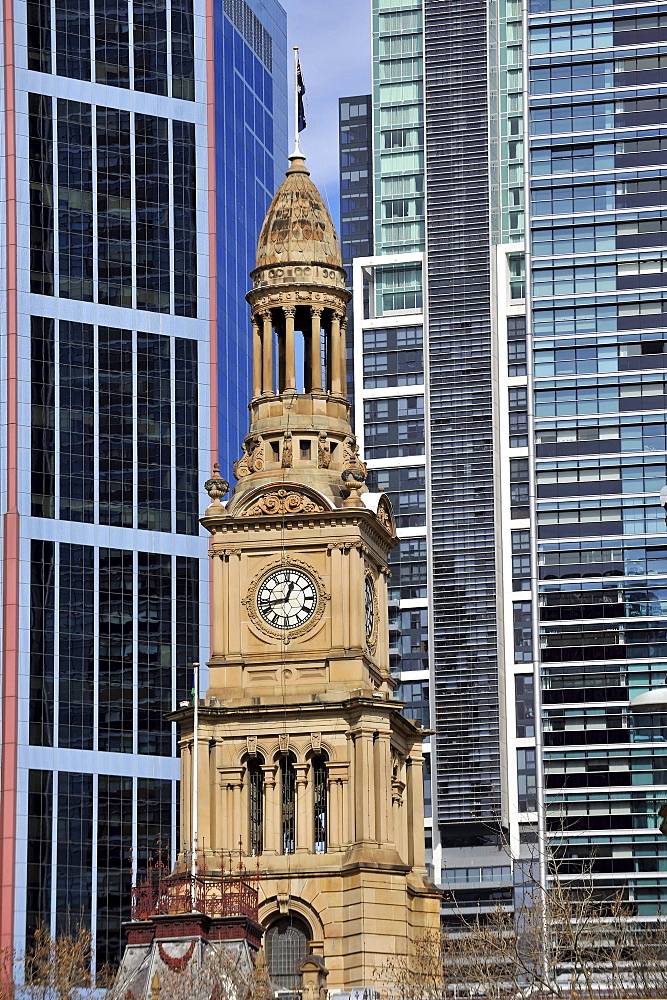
x,y
287,598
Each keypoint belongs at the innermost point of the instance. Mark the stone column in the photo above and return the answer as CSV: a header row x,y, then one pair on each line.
x,y
343,356
315,349
303,836
256,359
364,786
334,360
382,762
415,792
231,784
333,813
271,833
290,367
267,354
346,819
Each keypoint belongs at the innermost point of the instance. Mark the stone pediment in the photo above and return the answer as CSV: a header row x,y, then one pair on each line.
x,y
385,514
281,499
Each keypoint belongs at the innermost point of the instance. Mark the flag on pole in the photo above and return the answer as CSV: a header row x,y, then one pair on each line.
x,y
300,91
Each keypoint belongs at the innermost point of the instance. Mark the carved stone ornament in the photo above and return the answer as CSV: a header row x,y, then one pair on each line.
x,y
252,459
283,743
251,745
216,486
351,458
316,741
323,451
385,515
250,600
286,462
284,502
371,591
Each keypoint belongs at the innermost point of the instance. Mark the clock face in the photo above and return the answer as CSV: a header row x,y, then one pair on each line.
x,y
287,598
369,603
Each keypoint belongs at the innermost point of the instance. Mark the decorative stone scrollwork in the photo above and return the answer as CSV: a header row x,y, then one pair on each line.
x,y
284,502
385,515
253,458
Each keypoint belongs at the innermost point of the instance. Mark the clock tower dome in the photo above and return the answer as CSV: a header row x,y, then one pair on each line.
x,y
304,758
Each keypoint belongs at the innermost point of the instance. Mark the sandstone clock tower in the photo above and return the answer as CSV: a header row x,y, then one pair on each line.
x,y
304,757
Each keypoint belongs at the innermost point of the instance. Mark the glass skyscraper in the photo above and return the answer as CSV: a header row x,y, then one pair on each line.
x,y
540,262
388,330
598,174
130,204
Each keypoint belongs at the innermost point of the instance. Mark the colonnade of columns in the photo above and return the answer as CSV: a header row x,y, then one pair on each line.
x,y
282,320
365,803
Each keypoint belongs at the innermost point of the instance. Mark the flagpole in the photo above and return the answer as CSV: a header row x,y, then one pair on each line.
x,y
195,786
297,148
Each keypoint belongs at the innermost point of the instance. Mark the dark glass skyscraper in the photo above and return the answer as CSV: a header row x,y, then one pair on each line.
x,y
544,571
118,174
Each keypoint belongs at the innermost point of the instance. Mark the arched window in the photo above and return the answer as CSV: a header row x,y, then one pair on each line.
x,y
288,792
255,805
319,767
286,946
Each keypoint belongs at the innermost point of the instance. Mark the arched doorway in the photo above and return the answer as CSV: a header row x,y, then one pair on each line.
x,y
286,945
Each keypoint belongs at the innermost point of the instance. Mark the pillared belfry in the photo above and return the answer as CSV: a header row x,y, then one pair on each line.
x,y
305,758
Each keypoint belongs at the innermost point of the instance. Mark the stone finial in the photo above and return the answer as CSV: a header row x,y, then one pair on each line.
x,y
216,486
354,480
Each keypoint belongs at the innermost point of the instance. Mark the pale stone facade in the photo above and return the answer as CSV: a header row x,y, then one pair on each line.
x,y
304,757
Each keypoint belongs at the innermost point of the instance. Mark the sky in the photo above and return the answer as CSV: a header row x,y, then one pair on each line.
x,y
333,37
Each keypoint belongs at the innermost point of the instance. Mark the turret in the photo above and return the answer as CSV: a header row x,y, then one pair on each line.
x,y
299,425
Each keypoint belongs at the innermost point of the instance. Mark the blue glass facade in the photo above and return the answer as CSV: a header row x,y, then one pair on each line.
x,y
251,61
105,290
598,175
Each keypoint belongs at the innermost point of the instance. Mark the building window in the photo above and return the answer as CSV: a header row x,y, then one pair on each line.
x,y
288,797
524,687
255,805
521,562
517,404
286,946
523,632
319,766
526,780
516,346
40,154
519,488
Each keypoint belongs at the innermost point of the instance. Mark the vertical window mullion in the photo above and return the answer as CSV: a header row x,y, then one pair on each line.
x,y
172,259
93,857
54,850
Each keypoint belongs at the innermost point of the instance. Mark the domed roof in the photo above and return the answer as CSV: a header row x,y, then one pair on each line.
x,y
298,226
